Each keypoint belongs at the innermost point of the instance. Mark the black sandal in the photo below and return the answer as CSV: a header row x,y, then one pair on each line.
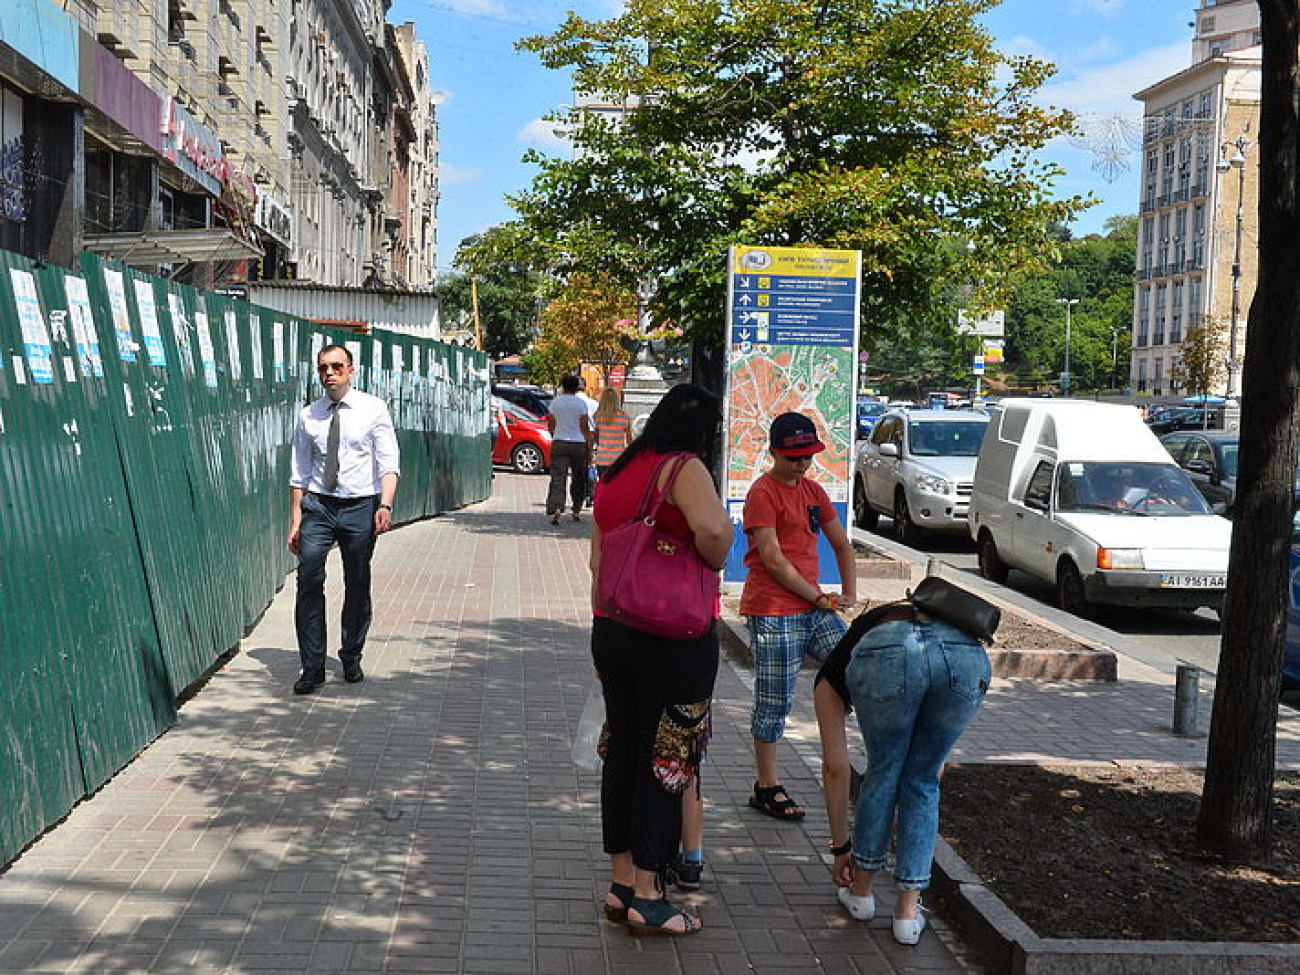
x,y
655,916
625,894
766,802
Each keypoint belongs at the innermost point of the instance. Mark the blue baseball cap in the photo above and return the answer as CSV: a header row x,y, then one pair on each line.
x,y
794,435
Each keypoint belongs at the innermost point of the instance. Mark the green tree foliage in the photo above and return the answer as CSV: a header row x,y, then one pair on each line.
x,y
1203,359
893,128
1098,270
509,289
589,320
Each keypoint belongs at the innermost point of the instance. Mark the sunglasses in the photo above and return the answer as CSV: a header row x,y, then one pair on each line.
x,y
332,367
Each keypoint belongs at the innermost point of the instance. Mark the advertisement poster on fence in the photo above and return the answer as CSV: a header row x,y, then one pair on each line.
x,y
792,342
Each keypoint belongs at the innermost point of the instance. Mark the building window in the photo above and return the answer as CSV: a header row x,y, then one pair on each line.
x,y
1153,174
1144,316
1180,239
1148,236
1142,376
1162,302
1194,290
1158,378
1198,236
1176,316
1167,175
1163,254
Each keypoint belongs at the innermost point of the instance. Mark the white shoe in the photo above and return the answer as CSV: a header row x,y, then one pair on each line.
x,y
909,932
862,908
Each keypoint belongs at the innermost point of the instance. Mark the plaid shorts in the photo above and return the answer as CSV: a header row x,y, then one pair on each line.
x,y
779,644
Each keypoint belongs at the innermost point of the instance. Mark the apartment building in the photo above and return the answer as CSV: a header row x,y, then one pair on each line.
x,y
216,141
1199,172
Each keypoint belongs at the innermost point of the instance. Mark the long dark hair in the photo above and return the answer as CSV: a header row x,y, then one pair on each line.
x,y
687,418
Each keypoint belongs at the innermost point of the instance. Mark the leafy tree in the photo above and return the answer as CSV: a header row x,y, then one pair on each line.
x,y
1202,363
1235,816
591,320
508,284
895,129
1098,270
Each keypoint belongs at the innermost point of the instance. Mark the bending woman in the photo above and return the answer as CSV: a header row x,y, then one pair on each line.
x,y
658,692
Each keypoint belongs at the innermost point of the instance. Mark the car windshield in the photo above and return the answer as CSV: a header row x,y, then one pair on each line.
x,y
946,438
514,410
1128,488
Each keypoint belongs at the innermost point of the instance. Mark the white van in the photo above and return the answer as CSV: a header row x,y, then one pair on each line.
x,y
1084,496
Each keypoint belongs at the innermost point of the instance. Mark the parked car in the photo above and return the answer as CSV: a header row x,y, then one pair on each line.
x,y
869,412
1184,418
1291,659
1082,495
522,440
532,398
916,467
1210,459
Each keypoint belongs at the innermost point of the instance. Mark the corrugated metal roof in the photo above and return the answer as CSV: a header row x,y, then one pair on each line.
x,y
409,312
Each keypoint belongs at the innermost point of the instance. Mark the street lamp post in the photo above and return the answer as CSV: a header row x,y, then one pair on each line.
x,y
1240,146
1069,303
1114,359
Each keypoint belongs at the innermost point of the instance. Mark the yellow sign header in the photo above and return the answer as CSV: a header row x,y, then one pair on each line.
x,y
807,262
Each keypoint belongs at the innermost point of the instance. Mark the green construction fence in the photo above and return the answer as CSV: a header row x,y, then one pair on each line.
x,y
145,434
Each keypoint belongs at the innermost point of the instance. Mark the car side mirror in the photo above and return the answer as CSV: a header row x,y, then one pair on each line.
x,y
1219,507
889,449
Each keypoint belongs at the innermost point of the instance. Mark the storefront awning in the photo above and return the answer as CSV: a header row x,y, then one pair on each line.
x,y
140,249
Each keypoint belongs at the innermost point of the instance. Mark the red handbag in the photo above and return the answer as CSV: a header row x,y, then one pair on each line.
x,y
652,581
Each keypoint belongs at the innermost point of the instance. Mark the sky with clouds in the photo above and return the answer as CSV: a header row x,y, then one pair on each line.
x,y
493,97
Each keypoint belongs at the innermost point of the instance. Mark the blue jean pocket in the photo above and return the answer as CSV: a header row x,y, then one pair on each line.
x,y
884,668
969,671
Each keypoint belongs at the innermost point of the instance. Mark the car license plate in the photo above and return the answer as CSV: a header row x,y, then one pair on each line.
x,y
1193,580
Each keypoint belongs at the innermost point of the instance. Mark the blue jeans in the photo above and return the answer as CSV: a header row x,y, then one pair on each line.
x,y
351,523
915,688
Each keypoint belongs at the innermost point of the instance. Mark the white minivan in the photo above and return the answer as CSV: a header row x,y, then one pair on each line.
x,y
1084,496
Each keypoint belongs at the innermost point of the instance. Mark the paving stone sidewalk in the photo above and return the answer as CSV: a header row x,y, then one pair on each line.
x,y
430,819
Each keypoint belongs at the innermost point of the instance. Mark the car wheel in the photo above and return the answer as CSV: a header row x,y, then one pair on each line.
x,y
907,530
1070,594
526,458
864,516
992,567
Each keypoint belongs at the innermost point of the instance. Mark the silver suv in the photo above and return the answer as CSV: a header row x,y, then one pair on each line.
x,y
917,467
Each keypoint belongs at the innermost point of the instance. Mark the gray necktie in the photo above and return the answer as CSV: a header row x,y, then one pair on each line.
x,y
330,479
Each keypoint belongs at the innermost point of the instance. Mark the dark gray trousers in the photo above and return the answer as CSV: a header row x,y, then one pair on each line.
x,y
351,523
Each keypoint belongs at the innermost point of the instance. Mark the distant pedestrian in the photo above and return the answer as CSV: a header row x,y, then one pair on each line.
x,y
613,430
345,467
592,406
658,692
569,421
789,615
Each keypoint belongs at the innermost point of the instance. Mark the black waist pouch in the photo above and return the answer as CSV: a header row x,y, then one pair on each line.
x,y
944,600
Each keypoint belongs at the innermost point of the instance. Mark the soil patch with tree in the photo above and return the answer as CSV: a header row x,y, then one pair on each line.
x,y
1110,852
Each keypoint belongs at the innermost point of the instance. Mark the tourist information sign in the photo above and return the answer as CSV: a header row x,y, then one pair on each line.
x,y
792,338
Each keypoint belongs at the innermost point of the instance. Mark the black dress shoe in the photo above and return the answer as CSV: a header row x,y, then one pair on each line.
x,y
309,681
352,673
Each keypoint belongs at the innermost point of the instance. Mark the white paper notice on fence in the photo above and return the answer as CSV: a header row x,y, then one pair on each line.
x,y
36,337
83,326
206,352
121,315
153,343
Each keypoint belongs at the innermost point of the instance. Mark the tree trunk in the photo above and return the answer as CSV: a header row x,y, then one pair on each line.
x,y
1236,815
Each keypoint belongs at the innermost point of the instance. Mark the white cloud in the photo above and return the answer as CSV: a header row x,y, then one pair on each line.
x,y
540,133
1098,7
449,175
1108,89
479,8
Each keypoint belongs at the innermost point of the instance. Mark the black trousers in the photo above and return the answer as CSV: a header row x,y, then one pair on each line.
x,y
648,682
569,458
351,523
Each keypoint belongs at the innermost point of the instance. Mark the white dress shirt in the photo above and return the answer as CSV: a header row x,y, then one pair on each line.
x,y
367,446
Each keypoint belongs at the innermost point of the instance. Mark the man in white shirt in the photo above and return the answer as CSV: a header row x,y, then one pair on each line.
x,y
571,431
344,476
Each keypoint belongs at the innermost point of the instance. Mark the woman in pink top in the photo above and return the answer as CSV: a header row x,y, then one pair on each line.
x,y
658,692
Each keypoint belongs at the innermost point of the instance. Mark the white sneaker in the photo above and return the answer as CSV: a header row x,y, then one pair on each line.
x,y
909,932
862,908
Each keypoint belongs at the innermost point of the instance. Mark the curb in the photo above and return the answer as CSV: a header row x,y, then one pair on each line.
x,y
1008,945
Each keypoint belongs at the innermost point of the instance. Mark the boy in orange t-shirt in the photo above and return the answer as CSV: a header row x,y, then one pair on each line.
x,y
789,616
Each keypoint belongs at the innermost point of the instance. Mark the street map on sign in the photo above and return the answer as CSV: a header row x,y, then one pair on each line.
x,y
768,380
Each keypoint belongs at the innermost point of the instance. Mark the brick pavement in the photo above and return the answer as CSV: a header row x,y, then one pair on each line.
x,y
430,819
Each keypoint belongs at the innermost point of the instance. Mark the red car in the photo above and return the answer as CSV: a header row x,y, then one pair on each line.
x,y
520,439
